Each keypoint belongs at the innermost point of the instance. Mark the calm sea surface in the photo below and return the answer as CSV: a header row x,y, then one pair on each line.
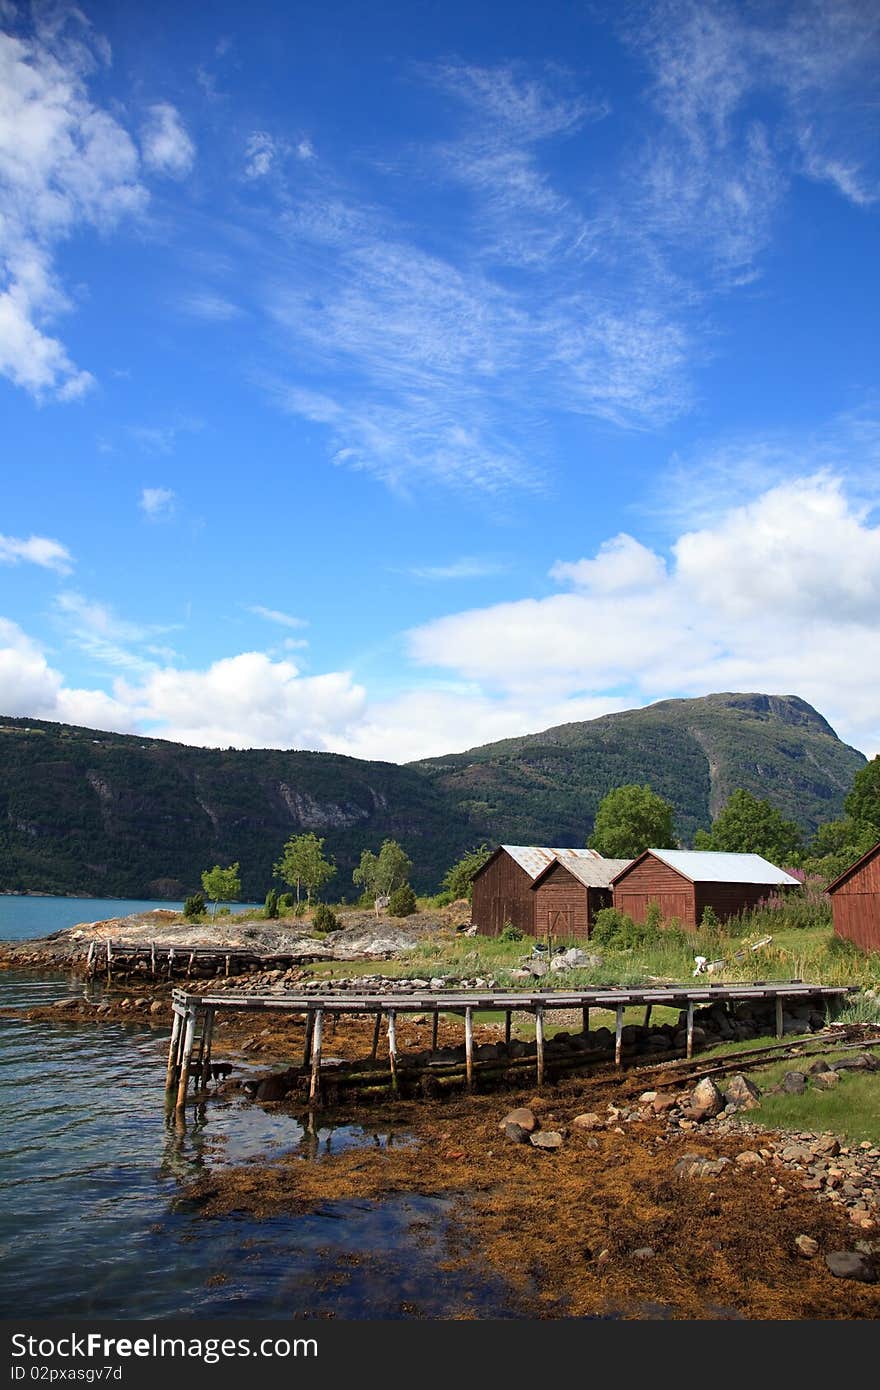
x,y
26,916
91,1222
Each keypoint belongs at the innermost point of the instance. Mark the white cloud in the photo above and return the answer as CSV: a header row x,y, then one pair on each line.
x,y
36,550
63,163
260,152
275,615
212,307
468,567
157,503
110,641
166,146
781,595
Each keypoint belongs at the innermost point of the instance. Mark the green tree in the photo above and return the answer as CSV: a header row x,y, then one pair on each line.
x,y
302,865
402,902
270,907
749,826
863,802
221,885
381,873
836,845
631,819
459,879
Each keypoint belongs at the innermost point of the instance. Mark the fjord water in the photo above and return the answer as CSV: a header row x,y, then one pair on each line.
x,y
23,916
91,1222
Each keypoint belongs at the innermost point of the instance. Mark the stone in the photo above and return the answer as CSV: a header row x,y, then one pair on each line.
x,y
819,1065
522,1116
589,1120
807,1246
851,1264
664,1103
546,1139
706,1100
741,1092
796,1153
794,1083
827,1145
644,1252
156,1007
647,1097
272,1088
516,1133
826,1080
749,1159
537,968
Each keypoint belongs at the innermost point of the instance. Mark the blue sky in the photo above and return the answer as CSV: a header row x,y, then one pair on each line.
x,y
392,379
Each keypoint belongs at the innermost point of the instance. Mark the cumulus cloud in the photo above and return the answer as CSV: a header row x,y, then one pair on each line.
x,y
36,550
157,503
166,146
780,594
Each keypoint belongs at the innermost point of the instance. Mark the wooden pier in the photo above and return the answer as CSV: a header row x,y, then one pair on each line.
x,y
155,962
189,1053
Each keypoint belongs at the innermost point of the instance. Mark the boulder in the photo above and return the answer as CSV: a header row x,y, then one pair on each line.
x,y
663,1103
523,1117
706,1100
272,1088
574,959
546,1139
851,1264
794,1083
825,1080
742,1093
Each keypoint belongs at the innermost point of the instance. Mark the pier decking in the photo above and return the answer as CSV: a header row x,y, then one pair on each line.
x,y
189,1052
167,962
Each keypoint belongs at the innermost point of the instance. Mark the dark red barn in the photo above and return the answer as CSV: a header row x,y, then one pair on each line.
x,y
539,889
855,901
684,882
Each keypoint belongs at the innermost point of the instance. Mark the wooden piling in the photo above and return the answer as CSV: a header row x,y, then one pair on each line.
x,y
507,1022
539,1043
153,959
648,1008
618,1037
392,1047
585,1017
171,1073
435,1024
90,960
374,1050
226,964
469,1046
189,964
307,1041
170,961
188,1038
317,1036
208,1037
779,1015
690,1029
109,958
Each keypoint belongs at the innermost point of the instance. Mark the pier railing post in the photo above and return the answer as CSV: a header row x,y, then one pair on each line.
x,y
539,1042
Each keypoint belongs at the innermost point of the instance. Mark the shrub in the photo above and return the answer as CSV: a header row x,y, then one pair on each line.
x,y
612,928
270,907
194,906
325,919
402,902
285,903
709,920
511,933
223,912
299,910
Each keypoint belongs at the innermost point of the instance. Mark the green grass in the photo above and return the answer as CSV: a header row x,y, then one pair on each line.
x,y
851,1110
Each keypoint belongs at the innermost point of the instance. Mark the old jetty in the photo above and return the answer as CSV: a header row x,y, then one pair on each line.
x,y
189,1053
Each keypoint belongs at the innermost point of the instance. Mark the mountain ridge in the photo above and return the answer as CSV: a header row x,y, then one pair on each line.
x,y
131,815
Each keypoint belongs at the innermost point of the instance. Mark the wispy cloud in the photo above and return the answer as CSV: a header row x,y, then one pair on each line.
x,y
112,642
214,308
157,503
275,615
468,567
166,145
36,550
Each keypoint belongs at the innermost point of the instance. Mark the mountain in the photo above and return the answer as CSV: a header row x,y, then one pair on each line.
x,y
545,788
107,814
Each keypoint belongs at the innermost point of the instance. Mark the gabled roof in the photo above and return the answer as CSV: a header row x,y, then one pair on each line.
x,y
841,878
534,859
714,866
592,873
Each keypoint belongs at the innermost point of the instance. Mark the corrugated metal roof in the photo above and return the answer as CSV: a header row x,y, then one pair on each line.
x,y
535,858
713,866
593,873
